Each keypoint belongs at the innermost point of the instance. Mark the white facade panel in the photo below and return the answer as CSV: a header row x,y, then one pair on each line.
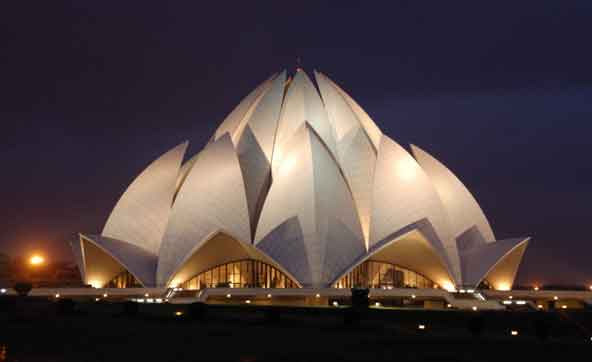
x,y
141,214
462,208
212,198
403,194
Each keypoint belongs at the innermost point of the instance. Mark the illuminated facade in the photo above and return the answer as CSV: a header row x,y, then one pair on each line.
x,y
298,188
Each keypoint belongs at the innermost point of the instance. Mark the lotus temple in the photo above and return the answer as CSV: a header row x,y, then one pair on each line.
x,y
298,192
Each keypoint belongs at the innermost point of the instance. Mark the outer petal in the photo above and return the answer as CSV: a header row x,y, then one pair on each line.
x,y
211,198
308,222
104,258
142,212
462,208
497,262
403,194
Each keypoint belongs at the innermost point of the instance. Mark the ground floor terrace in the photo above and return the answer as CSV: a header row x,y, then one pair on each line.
x,y
428,298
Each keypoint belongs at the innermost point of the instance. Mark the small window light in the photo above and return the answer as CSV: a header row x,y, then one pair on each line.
x,y
421,326
474,308
228,296
248,301
514,332
335,304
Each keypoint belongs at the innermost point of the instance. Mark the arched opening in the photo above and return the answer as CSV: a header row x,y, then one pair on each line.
x,y
245,273
377,274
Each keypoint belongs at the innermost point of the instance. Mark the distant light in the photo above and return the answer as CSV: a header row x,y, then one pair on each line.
x,y
335,304
140,300
590,287
150,300
536,289
248,301
521,302
178,313
95,284
462,291
556,297
514,332
36,260
474,308
3,290
268,295
317,296
97,299
105,295
540,306
146,295
158,300
507,302
470,290
421,326
57,295
377,304
564,307
228,295
510,297
166,299
413,296
448,305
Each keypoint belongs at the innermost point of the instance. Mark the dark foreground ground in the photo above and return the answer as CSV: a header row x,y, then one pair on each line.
x,y
38,330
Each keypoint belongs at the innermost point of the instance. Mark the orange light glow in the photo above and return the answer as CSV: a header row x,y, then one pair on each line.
x,y
36,260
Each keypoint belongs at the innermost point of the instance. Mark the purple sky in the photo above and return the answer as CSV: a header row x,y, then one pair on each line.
x,y
91,92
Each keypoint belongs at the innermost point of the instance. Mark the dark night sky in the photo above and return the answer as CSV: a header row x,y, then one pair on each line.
x,y
501,92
